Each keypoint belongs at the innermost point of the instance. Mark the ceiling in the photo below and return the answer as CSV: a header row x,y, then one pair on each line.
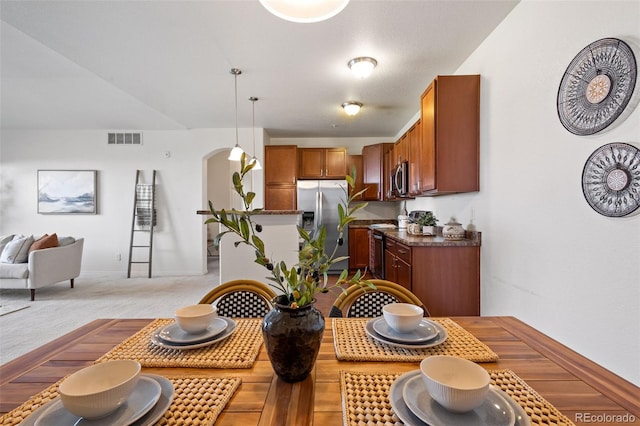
x,y
163,65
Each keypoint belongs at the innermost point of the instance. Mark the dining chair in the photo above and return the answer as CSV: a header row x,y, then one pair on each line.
x,y
365,302
241,299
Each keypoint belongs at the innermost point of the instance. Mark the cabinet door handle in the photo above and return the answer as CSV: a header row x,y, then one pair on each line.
x,y
400,251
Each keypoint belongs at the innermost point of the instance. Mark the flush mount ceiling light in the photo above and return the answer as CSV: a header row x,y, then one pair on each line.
x,y
254,159
352,107
236,152
304,11
362,67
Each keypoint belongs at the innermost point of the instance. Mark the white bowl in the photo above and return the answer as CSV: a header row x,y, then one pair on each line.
x,y
97,391
195,318
457,384
402,317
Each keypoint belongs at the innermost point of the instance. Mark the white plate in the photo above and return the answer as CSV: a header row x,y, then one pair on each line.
x,y
163,404
172,333
142,399
409,419
494,411
521,416
423,333
398,404
441,337
231,326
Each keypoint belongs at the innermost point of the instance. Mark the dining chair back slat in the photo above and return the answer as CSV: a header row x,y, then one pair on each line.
x,y
241,299
359,301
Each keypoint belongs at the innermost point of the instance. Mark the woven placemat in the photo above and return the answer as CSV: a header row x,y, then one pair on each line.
x,y
240,350
352,343
196,401
365,399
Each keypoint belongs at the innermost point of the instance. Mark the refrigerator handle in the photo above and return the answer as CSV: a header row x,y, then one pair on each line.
x,y
316,217
321,219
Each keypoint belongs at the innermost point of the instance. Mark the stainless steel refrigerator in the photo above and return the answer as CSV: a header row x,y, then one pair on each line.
x,y
319,199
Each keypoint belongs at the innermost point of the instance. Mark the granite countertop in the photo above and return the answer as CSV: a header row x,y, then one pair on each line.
x,y
472,238
366,223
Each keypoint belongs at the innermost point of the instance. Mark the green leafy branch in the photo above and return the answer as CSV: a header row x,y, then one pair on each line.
x,y
310,275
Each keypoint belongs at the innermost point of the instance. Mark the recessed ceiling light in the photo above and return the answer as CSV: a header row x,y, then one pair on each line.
x,y
352,107
363,66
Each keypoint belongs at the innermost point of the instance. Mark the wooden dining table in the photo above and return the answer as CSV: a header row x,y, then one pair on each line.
x,y
583,391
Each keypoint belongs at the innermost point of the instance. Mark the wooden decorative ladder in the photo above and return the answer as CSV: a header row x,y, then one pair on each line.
x,y
143,221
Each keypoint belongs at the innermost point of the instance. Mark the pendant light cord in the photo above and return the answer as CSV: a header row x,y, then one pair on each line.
x,y
235,79
253,123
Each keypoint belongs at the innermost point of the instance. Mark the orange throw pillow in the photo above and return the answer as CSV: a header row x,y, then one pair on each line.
x,y
47,241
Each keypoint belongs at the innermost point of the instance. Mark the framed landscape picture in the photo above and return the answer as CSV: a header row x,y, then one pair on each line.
x,y
67,191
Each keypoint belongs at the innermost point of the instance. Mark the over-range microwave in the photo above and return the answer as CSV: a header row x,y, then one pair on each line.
x,y
399,179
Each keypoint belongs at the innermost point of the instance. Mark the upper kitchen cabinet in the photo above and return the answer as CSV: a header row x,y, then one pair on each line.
x,y
374,172
354,162
414,137
280,168
450,121
322,163
280,164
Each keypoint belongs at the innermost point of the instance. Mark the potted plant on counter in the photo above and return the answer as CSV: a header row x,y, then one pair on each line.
x,y
427,221
293,330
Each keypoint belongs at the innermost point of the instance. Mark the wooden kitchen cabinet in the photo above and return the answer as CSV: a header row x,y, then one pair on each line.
x,y
401,149
280,164
322,163
397,263
374,171
358,249
445,278
280,168
450,121
354,162
414,136
389,164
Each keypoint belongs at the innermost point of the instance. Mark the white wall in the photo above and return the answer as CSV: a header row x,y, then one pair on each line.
x,y
547,257
179,238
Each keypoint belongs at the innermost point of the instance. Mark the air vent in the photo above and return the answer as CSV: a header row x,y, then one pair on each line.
x,y
125,138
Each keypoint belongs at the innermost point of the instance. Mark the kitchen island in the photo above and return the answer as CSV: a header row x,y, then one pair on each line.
x,y
280,236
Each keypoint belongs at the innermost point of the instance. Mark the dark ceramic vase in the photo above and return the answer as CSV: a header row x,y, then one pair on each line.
x,y
292,338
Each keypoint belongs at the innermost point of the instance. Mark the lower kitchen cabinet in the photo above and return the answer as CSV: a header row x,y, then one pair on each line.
x,y
397,263
445,278
358,248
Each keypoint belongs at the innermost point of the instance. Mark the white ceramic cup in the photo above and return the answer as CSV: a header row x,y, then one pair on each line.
x,y
402,317
195,319
459,385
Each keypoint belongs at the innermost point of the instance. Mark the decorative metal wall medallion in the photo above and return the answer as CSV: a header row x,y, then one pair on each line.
x,y
611,179
597,86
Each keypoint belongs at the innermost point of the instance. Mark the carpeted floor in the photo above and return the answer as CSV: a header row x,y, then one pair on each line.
x,y
7,309
59,309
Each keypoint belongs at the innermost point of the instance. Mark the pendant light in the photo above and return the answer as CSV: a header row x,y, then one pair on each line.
x,y
236,152
254,159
